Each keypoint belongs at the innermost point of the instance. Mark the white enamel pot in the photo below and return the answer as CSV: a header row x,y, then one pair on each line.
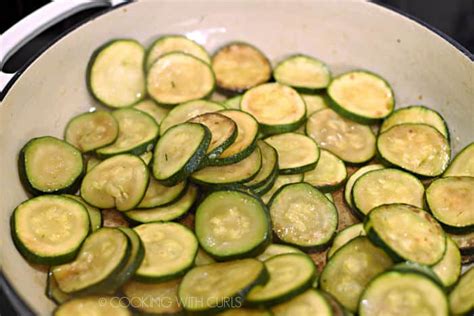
x,y
421,65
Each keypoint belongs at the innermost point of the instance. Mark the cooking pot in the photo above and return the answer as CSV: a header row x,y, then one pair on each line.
x,y
422,66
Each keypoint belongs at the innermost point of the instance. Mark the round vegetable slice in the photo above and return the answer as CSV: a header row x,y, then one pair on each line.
x,y
310,303
329,174
462,164
95,216
177,77
461,298
314,102
346,235
159,195
280,181
406,233
156,111
203,258
269,166
277,108
353,178
93,305
303,216
449,268
232,224
361,96
276,249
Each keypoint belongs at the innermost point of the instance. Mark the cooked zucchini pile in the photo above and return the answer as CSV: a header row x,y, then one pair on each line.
x,y
306,195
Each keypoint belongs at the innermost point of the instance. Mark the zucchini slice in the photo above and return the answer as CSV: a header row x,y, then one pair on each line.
x,y
92,130
49,229
154,298
386,186
230,175
277,108
461,298
93,305
417,148
232,224
296,153
223,132
165,213
147,156
218,286
186,111
314,102
403,293
159,195
137,132
416,114
329,174
280,181
91,163
451,201
361,96
462,164
245,143
178,77
350,141
351,268
406,233
137,255
448,269
302,72
465,242
103,254
269,168
276,249
309,303
118,182
95,216
54,292
233,103
344,236
175,43
153,109
240,66
170,249
115,73
49,165
290,275
303,216
246,312
179,152
202,258
353,178
267,185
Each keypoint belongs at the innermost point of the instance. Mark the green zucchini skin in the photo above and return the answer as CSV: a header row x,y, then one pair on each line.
x,y
53,292
268,184
413,267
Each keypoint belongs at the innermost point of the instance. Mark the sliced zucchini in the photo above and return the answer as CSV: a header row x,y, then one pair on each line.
x,y
403,293
159,195
461,298
451,201
233,103
277,108
49,229
156,111
92,130
290,275
118,182
296,153
229,175
179,152
91,163
462,164
406,233
170,249
336,307
353,178
465,242
276,249
244,144
147,156
269,168
240,66
178,77
386,186
239,311
103,254
137,133
137,255
329,174
314,102
449,268
268,184
232,224
346,235
302,72
175,43
417,148
280,181
165,213
115,75
416,114
350,141
309,303
54,292
329,197
186,111
303,216
93,305
218,286
156,298
203,258
95,216
223,132
49,165
361,96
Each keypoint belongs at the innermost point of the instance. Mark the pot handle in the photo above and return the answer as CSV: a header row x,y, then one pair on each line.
x,y
26,29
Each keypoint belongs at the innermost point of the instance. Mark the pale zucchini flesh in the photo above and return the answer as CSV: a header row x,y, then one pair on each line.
x,y
203,258
233,103
309,303
159,195
461,298
344,236
280,181
151,108
353,178
313,102
92,305
277,249
462,164
95,216
329,173
269,165
53,292
448,269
